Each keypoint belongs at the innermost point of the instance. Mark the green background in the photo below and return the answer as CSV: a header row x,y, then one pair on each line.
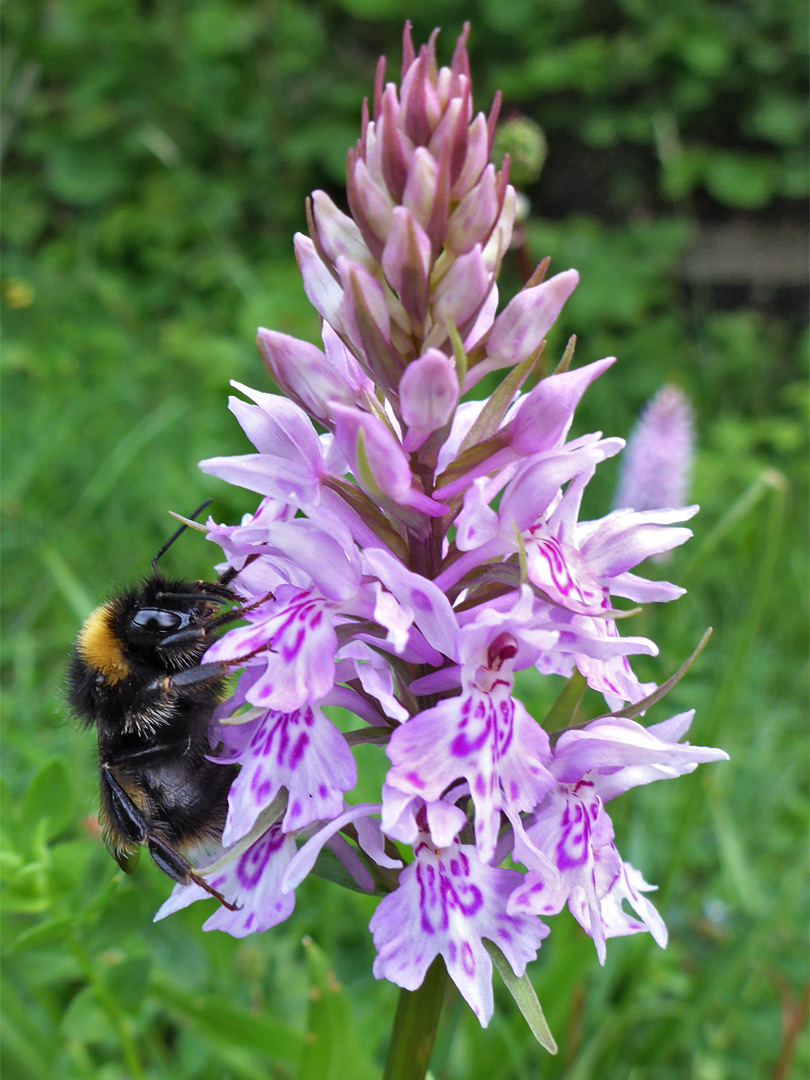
x,y
157,157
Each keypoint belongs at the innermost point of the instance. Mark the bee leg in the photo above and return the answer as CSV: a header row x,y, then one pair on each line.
x,y
171,862
193,676
124,814
133,825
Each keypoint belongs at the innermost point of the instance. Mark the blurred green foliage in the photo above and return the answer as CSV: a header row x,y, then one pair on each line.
x,y
157,158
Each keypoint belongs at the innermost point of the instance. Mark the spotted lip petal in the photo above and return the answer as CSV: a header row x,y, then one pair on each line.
x,y
575,833
489,740
447,902
292,648
300,751
251,881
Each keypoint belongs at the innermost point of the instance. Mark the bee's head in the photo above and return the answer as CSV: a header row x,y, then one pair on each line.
x,y
159,626
163,623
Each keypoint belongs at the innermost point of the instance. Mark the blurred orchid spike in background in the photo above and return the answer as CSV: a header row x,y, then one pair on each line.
x,y
409,561
656,465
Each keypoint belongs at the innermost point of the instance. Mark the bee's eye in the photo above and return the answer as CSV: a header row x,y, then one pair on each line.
x,y
149,618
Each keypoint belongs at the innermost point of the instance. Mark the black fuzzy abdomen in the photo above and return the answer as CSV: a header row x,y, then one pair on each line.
x,y
189,797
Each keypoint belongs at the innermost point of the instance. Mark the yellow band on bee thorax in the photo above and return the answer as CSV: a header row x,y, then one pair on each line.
x,y
100,647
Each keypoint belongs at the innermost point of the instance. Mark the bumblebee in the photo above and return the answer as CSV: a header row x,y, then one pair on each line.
x,y
135,674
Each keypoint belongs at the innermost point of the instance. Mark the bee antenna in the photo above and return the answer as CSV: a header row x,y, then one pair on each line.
x,y
177,533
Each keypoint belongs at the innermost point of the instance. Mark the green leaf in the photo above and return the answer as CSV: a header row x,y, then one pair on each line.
x,y
561,714
50,933
86,1020
332,1049
9,821
330,868
127,981
85,173
522,991
638,707
363,470
458,350
380,736
224,1021
50,795
29,1043
741,180
567,356
499,401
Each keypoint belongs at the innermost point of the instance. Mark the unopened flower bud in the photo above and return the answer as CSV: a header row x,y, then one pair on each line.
x,y
428,393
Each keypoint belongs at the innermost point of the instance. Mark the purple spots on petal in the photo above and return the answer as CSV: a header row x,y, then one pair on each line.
x,y
249,920
291,649
420,600
505,724
459,747
283,739
573,847
470,899
451,951
424,875
479,714
323,790
294,810
467,958
299,749
251,865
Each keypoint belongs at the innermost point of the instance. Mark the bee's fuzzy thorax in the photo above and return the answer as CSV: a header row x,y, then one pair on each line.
x,y
100,647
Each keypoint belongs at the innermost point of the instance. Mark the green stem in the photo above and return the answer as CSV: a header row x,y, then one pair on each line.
x,y
110,1005
415,1024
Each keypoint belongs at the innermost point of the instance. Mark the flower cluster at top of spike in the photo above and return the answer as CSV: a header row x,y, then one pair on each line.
x,y
408,561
